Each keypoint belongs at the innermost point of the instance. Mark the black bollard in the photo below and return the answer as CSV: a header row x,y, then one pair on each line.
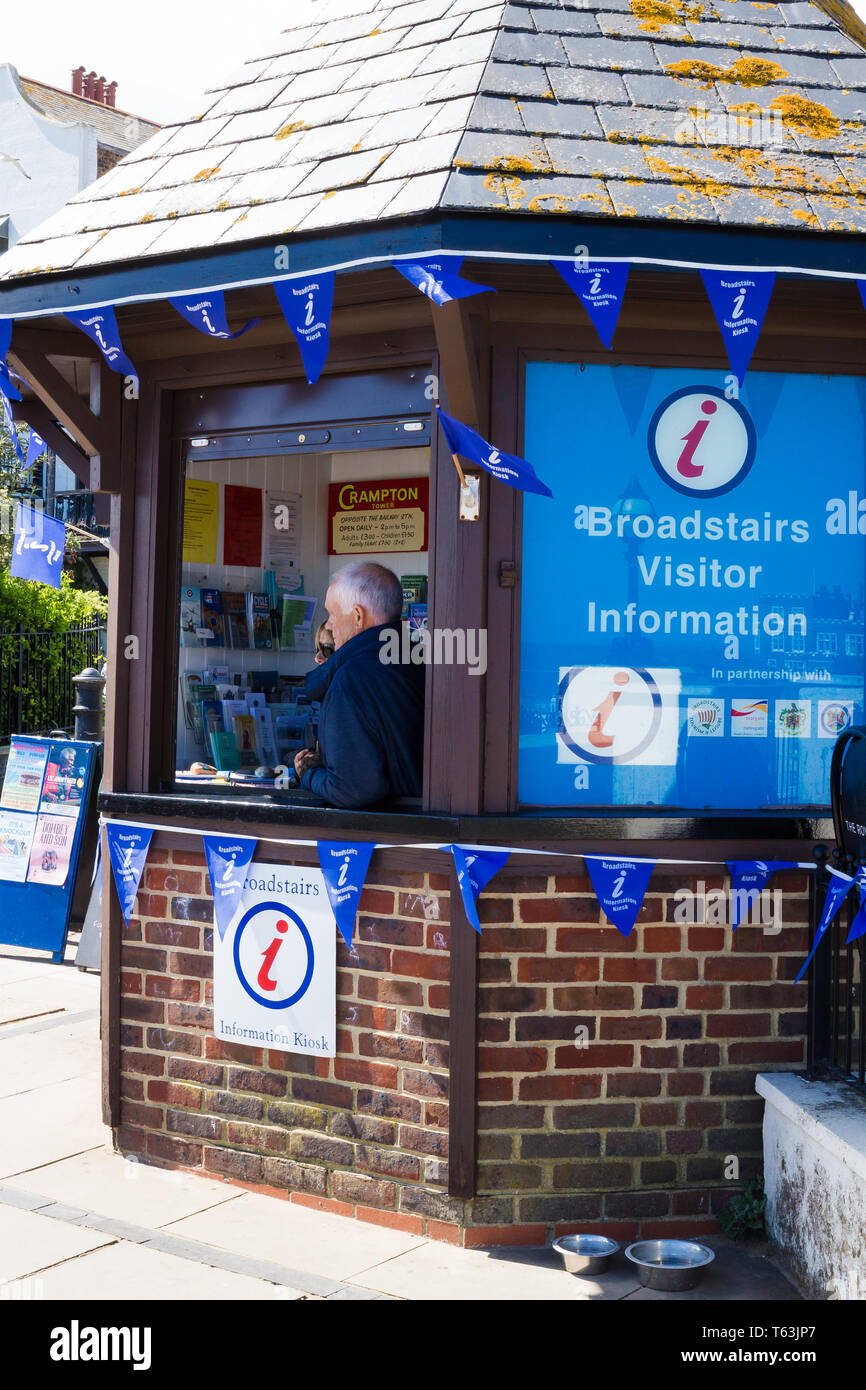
x,y
87,709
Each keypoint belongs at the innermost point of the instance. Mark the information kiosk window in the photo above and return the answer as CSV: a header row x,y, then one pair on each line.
x,y
692,606
268,519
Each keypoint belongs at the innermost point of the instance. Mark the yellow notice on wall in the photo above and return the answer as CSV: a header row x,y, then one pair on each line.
x,y
201,503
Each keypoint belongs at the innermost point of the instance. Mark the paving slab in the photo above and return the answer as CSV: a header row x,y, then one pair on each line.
x,y
133,1273
50,1055
30,1243
267,1229
445,1273
33,997
52,1122
136,1192
738,1273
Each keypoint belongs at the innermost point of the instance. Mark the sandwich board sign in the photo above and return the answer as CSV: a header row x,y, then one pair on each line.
x,y
43,808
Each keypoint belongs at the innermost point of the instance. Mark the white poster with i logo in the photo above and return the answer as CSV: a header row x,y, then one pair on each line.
x,y
275,968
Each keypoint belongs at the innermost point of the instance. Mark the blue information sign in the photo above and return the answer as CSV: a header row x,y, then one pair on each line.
x,y
692,624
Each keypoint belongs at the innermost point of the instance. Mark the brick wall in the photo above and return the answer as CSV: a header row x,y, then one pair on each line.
x,y
362,1134
631,1132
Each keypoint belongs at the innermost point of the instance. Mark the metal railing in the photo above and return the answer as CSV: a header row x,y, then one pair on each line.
x,y
36,670
837,1036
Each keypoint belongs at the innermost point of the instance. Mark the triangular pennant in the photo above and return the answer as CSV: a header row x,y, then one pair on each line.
x,y
127,849
37,547
620,886
35,449
858,926
307,309
6,386
600,287
508,468
439,278
100,325
475,868
207,313
344,867
227,865
749,877
739,303
861,285
837,891
9,421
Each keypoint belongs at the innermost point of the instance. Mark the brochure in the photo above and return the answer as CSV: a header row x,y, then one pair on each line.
x,y
65,780
51,851
16,838
25,769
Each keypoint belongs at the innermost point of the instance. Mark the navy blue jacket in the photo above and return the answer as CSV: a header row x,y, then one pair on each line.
x,y
371,726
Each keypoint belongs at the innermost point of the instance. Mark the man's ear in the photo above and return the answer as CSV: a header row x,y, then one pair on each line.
x,y
358,615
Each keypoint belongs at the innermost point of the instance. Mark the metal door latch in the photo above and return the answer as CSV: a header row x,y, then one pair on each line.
x,y
507,574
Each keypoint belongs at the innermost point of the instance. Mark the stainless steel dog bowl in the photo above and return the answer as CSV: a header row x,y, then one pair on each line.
x,y
586,1254
671,1265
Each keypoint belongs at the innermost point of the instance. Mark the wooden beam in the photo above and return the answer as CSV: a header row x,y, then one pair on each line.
x,y
458,362
69,409
54,342
105,401
35,414
463,1049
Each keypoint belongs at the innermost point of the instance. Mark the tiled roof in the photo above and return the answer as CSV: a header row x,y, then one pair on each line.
x,y
737,112
119,129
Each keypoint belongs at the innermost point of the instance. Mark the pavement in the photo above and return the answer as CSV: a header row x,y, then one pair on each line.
x,y
79,1221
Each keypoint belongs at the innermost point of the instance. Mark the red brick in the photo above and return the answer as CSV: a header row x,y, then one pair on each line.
x,y
157,856
778,996
492,910
590,998
366,1073
734,1025
626,971
144,1063
231,1163
737,967
641,1026
399,1048
187,909
495,1088
518,999
572,883
440,883
352,1187
132,1087
363,956
428,906
186,937
636,1083
436,1113
396,1220
151,904
303,1199
658,1057
596,1055
558,1087
187,963
391,991
444,1231
257,1137
174,1150
439,996
390,932
512,1059
171,881
494,1030
377,900
707,938
703,1113
388,1163
542,969
130,1140
234,1052
134,957
204,1073
437,936
425,1083
594,941
684,1141
476,1236
493,971
513,939
701,1054
170,1093
421,965
679,968
141,1010
764,1053
658,1230
700,997
130,982
662,939
169,987
181,1015
685,1083
382,1103
662,1113
560,910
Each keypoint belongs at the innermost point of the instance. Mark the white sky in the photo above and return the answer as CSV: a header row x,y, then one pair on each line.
x,y
161,53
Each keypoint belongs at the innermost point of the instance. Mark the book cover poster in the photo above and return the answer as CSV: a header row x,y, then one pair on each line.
x,y
242,544
51,851
16,838
190,617
25,769
201,503
65,780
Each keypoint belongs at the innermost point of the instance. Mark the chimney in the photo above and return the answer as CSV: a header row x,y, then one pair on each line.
x,y
110,93
89,83
99,90
78,82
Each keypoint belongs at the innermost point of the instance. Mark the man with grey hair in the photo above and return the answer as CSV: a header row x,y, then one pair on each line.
x,y
371,726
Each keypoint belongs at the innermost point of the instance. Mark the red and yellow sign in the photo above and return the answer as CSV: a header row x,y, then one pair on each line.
x,y
378,516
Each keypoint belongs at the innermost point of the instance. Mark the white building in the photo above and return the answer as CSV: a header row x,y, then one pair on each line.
x,y
54,143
